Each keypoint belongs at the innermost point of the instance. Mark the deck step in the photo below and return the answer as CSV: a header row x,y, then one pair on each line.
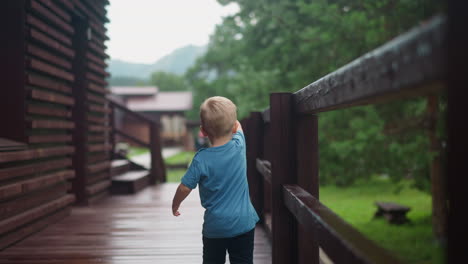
x,y
119,166
130,182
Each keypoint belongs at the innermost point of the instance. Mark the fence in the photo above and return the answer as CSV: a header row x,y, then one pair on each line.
x,y
283,154
153,142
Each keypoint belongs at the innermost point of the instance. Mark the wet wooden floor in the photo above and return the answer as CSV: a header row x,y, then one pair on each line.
x,y
135,229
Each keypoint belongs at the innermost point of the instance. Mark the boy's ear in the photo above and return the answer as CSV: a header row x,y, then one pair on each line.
x,y
234,128
203,132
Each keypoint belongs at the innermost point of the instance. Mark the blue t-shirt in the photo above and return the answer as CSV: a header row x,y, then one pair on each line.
x,y
220,173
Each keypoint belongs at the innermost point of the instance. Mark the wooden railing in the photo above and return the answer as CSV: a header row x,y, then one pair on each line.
x,y
153,143
286,193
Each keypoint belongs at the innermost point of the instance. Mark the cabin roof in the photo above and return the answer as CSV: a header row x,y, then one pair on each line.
x,y
134,90
161,102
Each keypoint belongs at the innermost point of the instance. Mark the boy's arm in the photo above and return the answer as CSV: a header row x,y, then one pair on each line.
x,y
238,127
181,193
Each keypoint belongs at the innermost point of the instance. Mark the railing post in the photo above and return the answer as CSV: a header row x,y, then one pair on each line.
x,y
111,121
308,179
457,129
158,171
254,131
79,110
284,227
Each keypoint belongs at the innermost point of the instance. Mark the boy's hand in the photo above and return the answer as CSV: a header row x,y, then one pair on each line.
x,y
175,211
238,127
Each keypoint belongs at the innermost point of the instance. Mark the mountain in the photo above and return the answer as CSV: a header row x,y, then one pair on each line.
x,y
177,62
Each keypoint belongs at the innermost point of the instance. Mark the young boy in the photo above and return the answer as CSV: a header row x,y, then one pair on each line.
x,y
220,172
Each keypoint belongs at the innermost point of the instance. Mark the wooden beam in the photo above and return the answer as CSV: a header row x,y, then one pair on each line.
x,y
457,129
254,131
410,65
307,164
341,242
284,229
12,68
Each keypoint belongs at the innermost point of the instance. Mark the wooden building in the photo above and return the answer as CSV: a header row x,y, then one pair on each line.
x,y
168,108
54,135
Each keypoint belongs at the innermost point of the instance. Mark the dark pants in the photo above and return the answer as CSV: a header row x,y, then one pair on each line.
x,y
240,249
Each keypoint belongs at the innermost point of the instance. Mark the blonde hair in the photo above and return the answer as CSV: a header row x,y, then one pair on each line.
x,y
218,116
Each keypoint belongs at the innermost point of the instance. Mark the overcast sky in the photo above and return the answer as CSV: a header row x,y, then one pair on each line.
x,y
145,30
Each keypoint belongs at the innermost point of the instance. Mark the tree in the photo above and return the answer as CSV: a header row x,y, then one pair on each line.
x,y
167,81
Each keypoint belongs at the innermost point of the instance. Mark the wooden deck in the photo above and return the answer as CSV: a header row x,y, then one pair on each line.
x,y
125,229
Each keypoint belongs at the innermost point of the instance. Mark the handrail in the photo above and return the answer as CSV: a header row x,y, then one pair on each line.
x,y
412,64
123,108
341,242
131,138
264,168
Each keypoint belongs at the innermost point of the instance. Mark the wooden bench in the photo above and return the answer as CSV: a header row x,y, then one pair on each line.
x,y
394,213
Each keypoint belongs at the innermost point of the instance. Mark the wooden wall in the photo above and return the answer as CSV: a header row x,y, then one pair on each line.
x,y
57,99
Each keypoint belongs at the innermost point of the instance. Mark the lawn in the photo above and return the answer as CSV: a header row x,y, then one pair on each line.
x,y
412,242
174,175
135,151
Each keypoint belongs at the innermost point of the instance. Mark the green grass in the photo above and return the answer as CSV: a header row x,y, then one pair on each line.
x,y
412,242
174,175
181,157
135,151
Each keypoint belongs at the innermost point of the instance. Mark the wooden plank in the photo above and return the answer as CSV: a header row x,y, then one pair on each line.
x,y
158,169
307,164
96,60
98,128
97,69
55,138
51,43
98,177
96,99
48,83
27,186
97,108
39,167
97,157
8,145
52,124
98,147
80,133
51,70
57,10
457,131
98,50
341,242
284,229
37,23
99,80
52,17
254,133
49,57
27,230
97,88
410,65
12,68
13,207
98,187
35,153
133,237
51,97
48,111
96,138
33,214
264,168
131,138
98,167
96,119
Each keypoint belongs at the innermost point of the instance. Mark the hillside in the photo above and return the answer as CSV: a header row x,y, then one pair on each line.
x,y
177,62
